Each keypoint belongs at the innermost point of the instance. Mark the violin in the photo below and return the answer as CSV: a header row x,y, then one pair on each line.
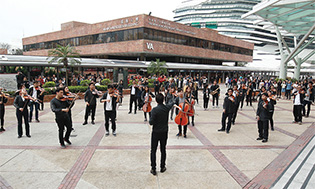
x,y
5,95
147,104
232,98
28,97
99,93
181,118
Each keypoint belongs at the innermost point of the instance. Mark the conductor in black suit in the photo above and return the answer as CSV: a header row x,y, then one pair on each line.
x,y
159,120
90,100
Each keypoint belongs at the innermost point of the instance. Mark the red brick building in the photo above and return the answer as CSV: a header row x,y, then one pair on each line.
x,y
3,51
143,37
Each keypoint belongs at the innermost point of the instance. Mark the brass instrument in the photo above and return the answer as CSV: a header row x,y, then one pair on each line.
x,y
215,91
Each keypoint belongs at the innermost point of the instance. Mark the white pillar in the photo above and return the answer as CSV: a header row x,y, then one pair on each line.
x,y
297,68
283,67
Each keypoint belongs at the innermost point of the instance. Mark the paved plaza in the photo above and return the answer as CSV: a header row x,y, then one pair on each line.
x,y
205,159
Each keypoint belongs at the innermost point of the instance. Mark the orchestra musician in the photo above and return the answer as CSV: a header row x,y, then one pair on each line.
x,y
3,99
215,92
71,98
206,96
21,104
309,99
249,94
236,94
273,101
263,116
228,110
35,92
138,95
61,107
133,99
243,91
110,99
180,99
90,99
145,96
191,101
298,97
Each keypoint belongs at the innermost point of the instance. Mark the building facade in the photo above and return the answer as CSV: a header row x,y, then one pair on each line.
x,y
145,38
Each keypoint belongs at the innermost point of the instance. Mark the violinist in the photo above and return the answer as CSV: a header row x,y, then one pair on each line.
x,y
228,110
3,99
263,117
110,99
146,98
206,96
298,95
90,100
120,89
61,108
71,98
171,95
249,94
236,94
20,103
35,93
41,98
133,99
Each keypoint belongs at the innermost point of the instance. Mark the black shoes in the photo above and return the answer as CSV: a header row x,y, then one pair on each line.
x,y
93,123
63,146
153,172
163,169
227,131
192,123
29,136
185,136
264,140
179,134
145,120
2,129
107,133
19,136
67,141
37,120
114,133
272,128
259,138
129,112
221,130
84,123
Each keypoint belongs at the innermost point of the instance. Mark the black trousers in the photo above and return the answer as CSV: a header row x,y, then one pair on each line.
x,y
215,98
271,118
249,99
297,112
2,110
242,101
180,129
70,116
155,138
308,104
88,109
19,116
140,103
263,128
288,94
235,113
62,122
133,99
32,104
223,121
156,91
205,102
145,115
112,116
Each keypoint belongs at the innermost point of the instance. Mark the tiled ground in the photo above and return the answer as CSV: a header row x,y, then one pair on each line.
x,y
206,159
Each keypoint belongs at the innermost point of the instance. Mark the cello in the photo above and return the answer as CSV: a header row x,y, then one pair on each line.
x,y
191,111
147,104
181,118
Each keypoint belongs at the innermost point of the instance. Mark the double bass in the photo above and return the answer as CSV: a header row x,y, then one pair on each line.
x,y
147,104
181,118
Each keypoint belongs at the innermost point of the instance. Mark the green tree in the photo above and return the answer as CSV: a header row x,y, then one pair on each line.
x,y
157,67
64,55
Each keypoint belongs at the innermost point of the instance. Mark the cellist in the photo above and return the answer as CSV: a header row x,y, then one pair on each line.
x,y
180,99
146,97
191,101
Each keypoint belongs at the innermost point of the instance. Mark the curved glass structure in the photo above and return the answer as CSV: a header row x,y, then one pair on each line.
x,y
225,16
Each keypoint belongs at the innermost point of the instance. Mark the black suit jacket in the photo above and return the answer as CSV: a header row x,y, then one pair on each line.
x,y
19,103
159,117
228,105
90,97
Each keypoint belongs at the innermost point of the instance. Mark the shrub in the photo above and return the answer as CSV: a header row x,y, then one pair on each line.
x,y
105,81
76,89
101,88
151,80
49,84
85,82
49,91
151,85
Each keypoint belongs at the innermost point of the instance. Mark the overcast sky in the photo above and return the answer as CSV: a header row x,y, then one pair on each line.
x,y
24,18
